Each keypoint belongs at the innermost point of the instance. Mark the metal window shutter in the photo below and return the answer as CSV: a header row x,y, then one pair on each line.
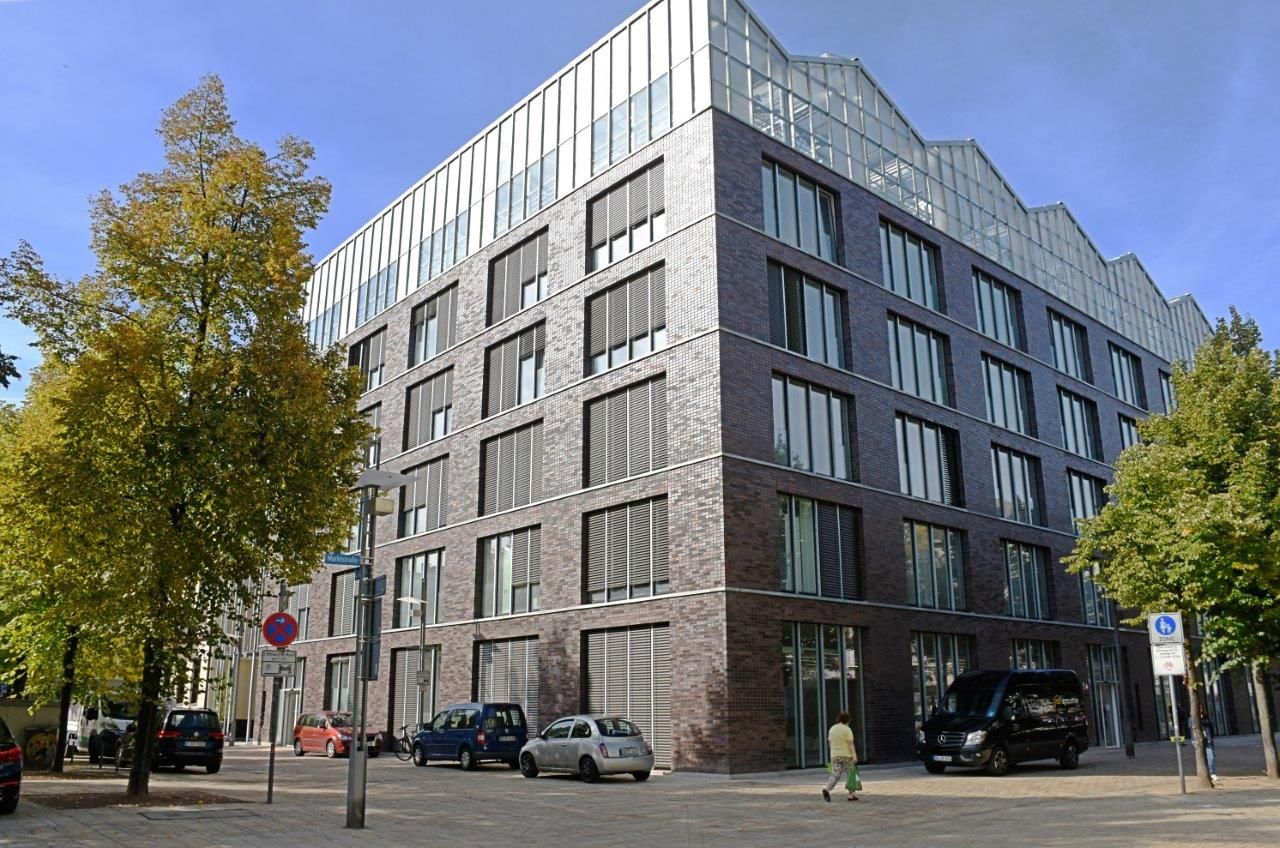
x,y
598,213
640,427
511,304
640,544
404,699
793,287
616,533
777,308
658,296
541,246
506,467
661,738
539,337
497,289
510,373
485,660
616,456
828,551
376,350
528,264
343,603
945,445
595,672
639,704
661,566
637,189
446,330
535,462
849,573
531,698
596,554
596,424
436,494
522,467
617,333
615,671
658,409
535,554
493,380
418,489
597,307
657,191
489,474
519,557
617,211
446,394
638,306
412,413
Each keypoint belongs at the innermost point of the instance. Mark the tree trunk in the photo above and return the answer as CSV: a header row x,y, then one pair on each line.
x,y
1262,695
145,728
72,646
1193,709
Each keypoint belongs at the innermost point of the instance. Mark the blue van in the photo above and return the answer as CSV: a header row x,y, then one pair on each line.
x,y
472,734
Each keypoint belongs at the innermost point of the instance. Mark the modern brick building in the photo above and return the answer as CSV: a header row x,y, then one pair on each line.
x,y
734,402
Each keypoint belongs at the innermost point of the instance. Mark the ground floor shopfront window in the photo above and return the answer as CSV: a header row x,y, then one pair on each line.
x,y
821,676
1104,691
936,660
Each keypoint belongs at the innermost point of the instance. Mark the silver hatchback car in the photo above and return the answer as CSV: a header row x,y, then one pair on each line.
x,y
590,746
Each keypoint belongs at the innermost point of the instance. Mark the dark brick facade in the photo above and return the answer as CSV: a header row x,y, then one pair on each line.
x,y
724,607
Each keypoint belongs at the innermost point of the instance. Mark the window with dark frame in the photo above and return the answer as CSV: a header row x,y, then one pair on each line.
x,y
812,428
515,371
1079,425
428,410
819,548
367,356
626,432
935,565
627,320
806,316
1069,343
1008,396
509,573
424,502
626,551
511,469
909,266
433,326
798,211
999,310
918,360
518,278
1017,485
415,575
628,217
928,461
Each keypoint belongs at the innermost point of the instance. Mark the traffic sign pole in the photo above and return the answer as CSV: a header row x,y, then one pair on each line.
x,y
280,629
1165,632
1177,739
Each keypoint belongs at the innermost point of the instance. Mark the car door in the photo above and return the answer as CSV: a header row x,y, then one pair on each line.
x,y
556,743
1019,736
436,734
304,731
580,743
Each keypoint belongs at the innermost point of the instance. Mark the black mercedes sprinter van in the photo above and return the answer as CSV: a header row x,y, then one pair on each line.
x,y
994,719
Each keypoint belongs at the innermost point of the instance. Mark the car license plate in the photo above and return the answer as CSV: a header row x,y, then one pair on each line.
x,y
630,752
941,758
193,743
506,739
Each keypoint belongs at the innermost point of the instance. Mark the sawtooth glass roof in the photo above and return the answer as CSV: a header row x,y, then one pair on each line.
x,y
668,62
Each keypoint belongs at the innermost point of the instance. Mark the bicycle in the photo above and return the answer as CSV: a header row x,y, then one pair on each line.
x,y
404,744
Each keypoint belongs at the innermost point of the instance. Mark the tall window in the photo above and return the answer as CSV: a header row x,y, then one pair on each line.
x,y
424,502
367,356
524,194
376,293
1126,370
445,247
627,320
1105,694
300,608
342,604
1070,347
627,551
999,310
811,428
928,461
1017,482
630,125
1008,396
518,278
1087,497
510,573
822,676
1033,653
511,469
627,432
1094,604
428,410
433,326
805,315
337,690
818,553
373,447
418,589
1079,425
1166,392
515,372
799,211
936,660
324,329
909,266
1128,431
1026,591
935,565
918,360
628,217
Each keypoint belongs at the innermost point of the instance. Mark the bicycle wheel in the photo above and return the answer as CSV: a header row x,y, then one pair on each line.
x,y
404,747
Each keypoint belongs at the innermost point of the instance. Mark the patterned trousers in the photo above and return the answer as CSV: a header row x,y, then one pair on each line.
x,y
839,770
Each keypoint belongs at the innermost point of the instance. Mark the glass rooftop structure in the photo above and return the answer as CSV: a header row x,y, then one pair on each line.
x,y
670,61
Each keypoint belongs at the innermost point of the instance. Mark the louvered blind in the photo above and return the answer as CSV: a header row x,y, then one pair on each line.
x,y
428,409
507,672
502,368
627,432
626,551
508,274
629,674
343,604
627,320
433,326
300,607
406,691
367,356
424,503
627,205
511,469
514,588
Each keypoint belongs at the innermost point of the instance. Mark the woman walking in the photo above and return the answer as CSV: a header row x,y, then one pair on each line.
x,y
843,758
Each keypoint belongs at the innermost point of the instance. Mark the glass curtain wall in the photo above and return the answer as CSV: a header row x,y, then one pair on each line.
x,y
936,660
821,676
1104,692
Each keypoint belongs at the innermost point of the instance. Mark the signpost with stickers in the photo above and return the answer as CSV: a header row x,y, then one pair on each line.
x,y
1167,658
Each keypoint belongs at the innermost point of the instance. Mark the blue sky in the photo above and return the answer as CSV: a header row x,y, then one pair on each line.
x,y
1156,121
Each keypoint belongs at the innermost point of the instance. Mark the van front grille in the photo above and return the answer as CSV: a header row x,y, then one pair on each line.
x,y
950,739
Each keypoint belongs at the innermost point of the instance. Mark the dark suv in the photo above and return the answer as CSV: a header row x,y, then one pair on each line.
x,y
10,770
994,719
187,737
473,733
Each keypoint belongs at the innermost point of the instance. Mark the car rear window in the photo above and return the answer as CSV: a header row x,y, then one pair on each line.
x,y
504,716
616,727
193,721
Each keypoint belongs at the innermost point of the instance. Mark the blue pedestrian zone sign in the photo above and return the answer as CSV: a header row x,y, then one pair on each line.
x,y
1165,628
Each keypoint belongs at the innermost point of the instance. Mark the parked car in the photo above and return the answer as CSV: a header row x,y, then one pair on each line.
x,y
10,770
329,732
186,737
589,746
472,734
995,719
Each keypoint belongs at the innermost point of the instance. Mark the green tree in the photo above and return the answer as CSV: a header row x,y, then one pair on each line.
x,y
8,369
1191,517
204,429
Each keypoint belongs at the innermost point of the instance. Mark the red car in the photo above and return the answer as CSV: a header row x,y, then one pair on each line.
x,y
10,770
329,732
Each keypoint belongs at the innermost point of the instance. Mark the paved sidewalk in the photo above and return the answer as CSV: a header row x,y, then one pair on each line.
x,y
1110,802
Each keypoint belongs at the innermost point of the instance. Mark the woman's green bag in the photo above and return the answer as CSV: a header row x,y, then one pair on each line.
x,y
853,783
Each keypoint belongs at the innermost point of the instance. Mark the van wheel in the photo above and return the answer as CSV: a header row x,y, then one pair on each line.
x,y
466,759
419,756
1070,756
298,750
587,769
527,766
998,765
935,768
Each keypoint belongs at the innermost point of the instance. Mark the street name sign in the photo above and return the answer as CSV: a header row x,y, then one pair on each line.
x,y
1165,628
341,560
1168,659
